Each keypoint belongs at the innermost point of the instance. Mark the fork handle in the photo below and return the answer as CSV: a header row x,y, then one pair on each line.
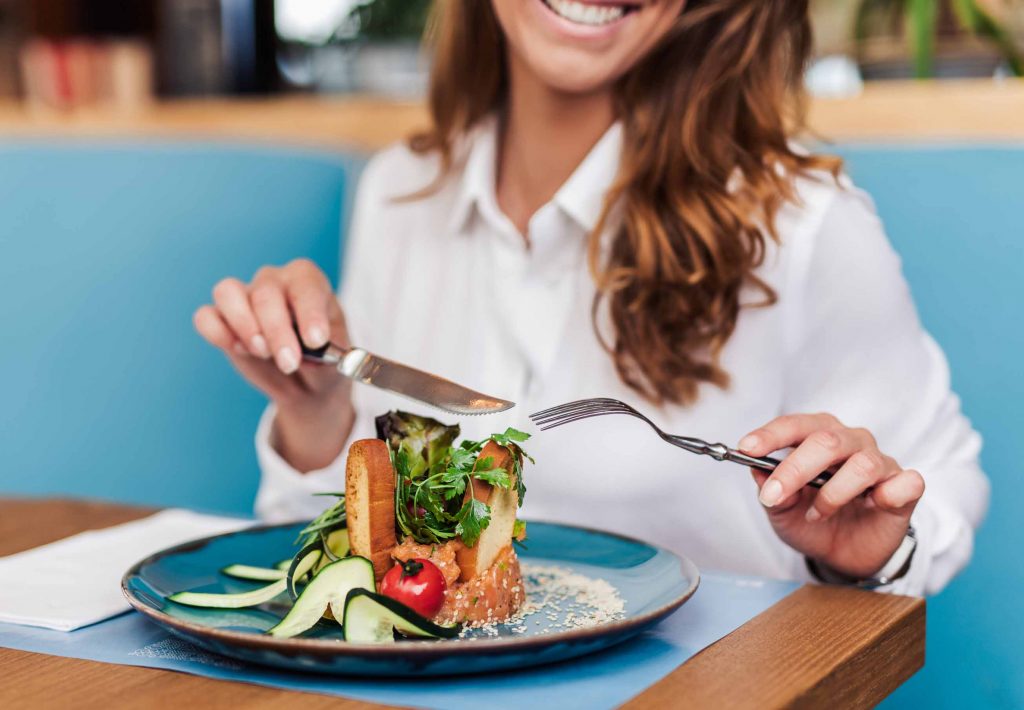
x,y
767,463
721,452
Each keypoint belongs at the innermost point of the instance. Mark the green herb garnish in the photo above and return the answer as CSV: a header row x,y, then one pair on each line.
x,y
331,518
433,476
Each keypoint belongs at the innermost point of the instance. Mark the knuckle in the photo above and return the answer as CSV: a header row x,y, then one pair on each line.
x,y
828,419
786,421
265,273
789,474
866,465
825,439
863,434
302,264
263,294
223,288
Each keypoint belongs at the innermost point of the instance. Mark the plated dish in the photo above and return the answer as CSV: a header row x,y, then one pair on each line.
x,y
421,567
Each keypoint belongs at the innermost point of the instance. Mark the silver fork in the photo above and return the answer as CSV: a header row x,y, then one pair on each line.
x,y
601,406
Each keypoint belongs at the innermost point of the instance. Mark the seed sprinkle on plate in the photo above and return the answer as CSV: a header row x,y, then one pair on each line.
x,y
563,598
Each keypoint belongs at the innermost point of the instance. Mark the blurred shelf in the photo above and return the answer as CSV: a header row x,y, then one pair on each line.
x,y
924,111
898,111
360,123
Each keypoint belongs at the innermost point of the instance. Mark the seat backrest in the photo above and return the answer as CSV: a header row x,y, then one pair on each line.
x,y
956,215
105,251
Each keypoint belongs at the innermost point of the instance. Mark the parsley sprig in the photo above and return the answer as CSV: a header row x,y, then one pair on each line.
x,y
431,504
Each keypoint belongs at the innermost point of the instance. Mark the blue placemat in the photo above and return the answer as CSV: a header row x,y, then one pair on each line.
x,y
605,680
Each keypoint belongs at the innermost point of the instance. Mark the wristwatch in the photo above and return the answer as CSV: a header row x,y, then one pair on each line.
x,y
896,568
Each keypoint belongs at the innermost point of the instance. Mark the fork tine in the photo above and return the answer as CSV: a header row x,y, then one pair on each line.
x,y
581,412
541,417
559,422
577,403
581,404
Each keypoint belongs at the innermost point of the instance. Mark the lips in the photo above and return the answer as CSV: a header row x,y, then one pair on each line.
x,y
590,14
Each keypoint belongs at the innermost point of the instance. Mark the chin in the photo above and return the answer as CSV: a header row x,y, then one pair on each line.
x,y
568,72
581,46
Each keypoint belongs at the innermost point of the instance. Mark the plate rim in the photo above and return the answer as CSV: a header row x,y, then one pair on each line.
x,y
324,647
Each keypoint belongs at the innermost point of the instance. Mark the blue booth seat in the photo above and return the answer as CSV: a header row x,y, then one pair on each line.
x,y
106,391
105,252
956,215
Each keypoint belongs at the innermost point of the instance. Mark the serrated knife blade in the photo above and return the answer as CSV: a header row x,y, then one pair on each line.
x,y
363,366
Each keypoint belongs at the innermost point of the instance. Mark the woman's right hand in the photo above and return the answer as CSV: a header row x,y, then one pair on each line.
x,y
252,324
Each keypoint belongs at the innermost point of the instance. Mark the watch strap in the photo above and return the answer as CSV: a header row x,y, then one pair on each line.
x,y
896,568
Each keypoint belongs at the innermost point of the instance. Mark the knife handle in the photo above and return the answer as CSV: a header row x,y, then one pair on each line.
x,y
326,353
314,353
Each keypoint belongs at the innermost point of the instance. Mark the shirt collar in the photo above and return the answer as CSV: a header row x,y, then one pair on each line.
x,y
581,197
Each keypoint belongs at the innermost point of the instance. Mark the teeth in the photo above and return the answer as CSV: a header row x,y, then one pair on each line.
x,y
586,14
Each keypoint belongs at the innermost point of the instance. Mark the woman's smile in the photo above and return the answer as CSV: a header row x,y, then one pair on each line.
x,y
590,14
582,46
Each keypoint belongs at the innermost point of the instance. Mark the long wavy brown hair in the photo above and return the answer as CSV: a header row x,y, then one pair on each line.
x,y
706,165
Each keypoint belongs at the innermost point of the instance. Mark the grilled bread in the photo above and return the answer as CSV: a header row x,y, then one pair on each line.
x,y
504,503
370,502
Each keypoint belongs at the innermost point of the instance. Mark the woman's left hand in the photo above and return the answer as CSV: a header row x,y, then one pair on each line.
x,y
846,526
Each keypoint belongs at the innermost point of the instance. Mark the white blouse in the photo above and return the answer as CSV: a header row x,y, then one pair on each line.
x,y
447,284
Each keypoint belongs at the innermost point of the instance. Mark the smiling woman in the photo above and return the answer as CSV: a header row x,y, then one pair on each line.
x,y
607,202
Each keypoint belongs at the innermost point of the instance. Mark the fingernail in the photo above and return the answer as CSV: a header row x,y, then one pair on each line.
x,y
749,442
259,346
316,337
240,349
287,361
771,493
812,515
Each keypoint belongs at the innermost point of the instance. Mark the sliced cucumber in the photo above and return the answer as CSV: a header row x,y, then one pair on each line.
x,y
312,552
284,564
255,574
330,587
372,618
230,601
335,547
335,544
244,599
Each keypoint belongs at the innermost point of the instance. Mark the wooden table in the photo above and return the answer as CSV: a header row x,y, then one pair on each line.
x,y
818,647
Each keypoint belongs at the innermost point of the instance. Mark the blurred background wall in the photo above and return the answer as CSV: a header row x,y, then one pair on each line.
x,y
148,148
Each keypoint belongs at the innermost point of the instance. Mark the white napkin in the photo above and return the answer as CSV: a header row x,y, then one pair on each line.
x,y
76,581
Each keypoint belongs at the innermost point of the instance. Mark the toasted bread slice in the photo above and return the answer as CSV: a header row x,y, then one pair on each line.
x,y
503,503
370,502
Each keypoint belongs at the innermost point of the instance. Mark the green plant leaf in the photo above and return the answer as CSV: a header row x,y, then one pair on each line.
x,y
922,18
976,20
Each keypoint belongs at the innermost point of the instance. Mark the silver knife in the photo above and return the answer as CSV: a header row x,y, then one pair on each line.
x,y
362,366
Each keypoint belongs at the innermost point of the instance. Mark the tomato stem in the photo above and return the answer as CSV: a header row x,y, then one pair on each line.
x,y
411,568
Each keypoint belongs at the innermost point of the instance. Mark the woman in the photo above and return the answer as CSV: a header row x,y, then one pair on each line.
x,y
607,204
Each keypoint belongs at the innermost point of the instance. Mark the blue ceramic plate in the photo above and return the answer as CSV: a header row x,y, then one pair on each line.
x,y
651,582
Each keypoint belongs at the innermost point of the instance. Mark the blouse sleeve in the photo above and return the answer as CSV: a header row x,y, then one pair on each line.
x,y
284,493
859,351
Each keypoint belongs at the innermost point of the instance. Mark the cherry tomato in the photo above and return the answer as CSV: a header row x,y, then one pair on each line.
x,y
418,584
